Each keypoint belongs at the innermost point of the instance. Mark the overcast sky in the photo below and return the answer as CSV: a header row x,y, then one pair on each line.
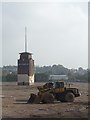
x,y
57,33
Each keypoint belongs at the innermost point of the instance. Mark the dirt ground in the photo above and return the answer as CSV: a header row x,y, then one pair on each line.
x,y
14,105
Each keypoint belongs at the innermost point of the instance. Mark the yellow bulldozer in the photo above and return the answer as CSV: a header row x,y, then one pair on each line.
x,y
52,91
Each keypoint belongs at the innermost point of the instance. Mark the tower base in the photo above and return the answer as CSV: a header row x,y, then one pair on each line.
x,y
24,79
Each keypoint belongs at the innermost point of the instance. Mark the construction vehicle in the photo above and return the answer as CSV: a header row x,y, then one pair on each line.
x,y
52,91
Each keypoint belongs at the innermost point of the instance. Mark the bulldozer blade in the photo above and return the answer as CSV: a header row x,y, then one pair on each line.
x,y
37,100
32,98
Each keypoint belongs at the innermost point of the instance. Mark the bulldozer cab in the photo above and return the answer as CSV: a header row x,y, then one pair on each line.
x,y
58,87
59,84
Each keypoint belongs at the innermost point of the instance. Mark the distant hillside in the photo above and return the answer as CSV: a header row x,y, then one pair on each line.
x,y
79,74
0,74
54,69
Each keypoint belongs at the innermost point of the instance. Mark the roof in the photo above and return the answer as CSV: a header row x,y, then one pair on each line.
x,y
57,77
26,53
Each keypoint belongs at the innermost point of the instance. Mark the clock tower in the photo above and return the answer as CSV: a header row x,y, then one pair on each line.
x,y
25,67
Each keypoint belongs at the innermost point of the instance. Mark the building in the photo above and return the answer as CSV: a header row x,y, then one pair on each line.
x,y
25,69
58,77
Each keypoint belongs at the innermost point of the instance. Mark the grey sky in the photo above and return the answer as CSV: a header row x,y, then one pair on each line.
x,y
0,34
57,33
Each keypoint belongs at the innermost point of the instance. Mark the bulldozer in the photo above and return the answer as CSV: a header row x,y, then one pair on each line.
x,y
52,91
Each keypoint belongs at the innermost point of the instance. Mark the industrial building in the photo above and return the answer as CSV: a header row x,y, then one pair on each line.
x,y
58,77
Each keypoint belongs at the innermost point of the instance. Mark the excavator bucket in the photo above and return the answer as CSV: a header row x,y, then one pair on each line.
x,y
34,99
37,100
31,98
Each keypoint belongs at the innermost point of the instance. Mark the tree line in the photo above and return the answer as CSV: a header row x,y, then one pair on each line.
x,y
9,73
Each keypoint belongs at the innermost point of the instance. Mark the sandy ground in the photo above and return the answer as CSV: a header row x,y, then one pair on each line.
x,y
14,103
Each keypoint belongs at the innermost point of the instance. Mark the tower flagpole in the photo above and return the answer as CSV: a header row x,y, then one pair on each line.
x,y
25,39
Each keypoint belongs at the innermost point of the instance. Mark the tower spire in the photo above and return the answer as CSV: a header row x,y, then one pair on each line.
x,y
25,39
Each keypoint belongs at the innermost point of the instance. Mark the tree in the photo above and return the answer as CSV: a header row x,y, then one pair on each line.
x,y
88,75
41,77
11,77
